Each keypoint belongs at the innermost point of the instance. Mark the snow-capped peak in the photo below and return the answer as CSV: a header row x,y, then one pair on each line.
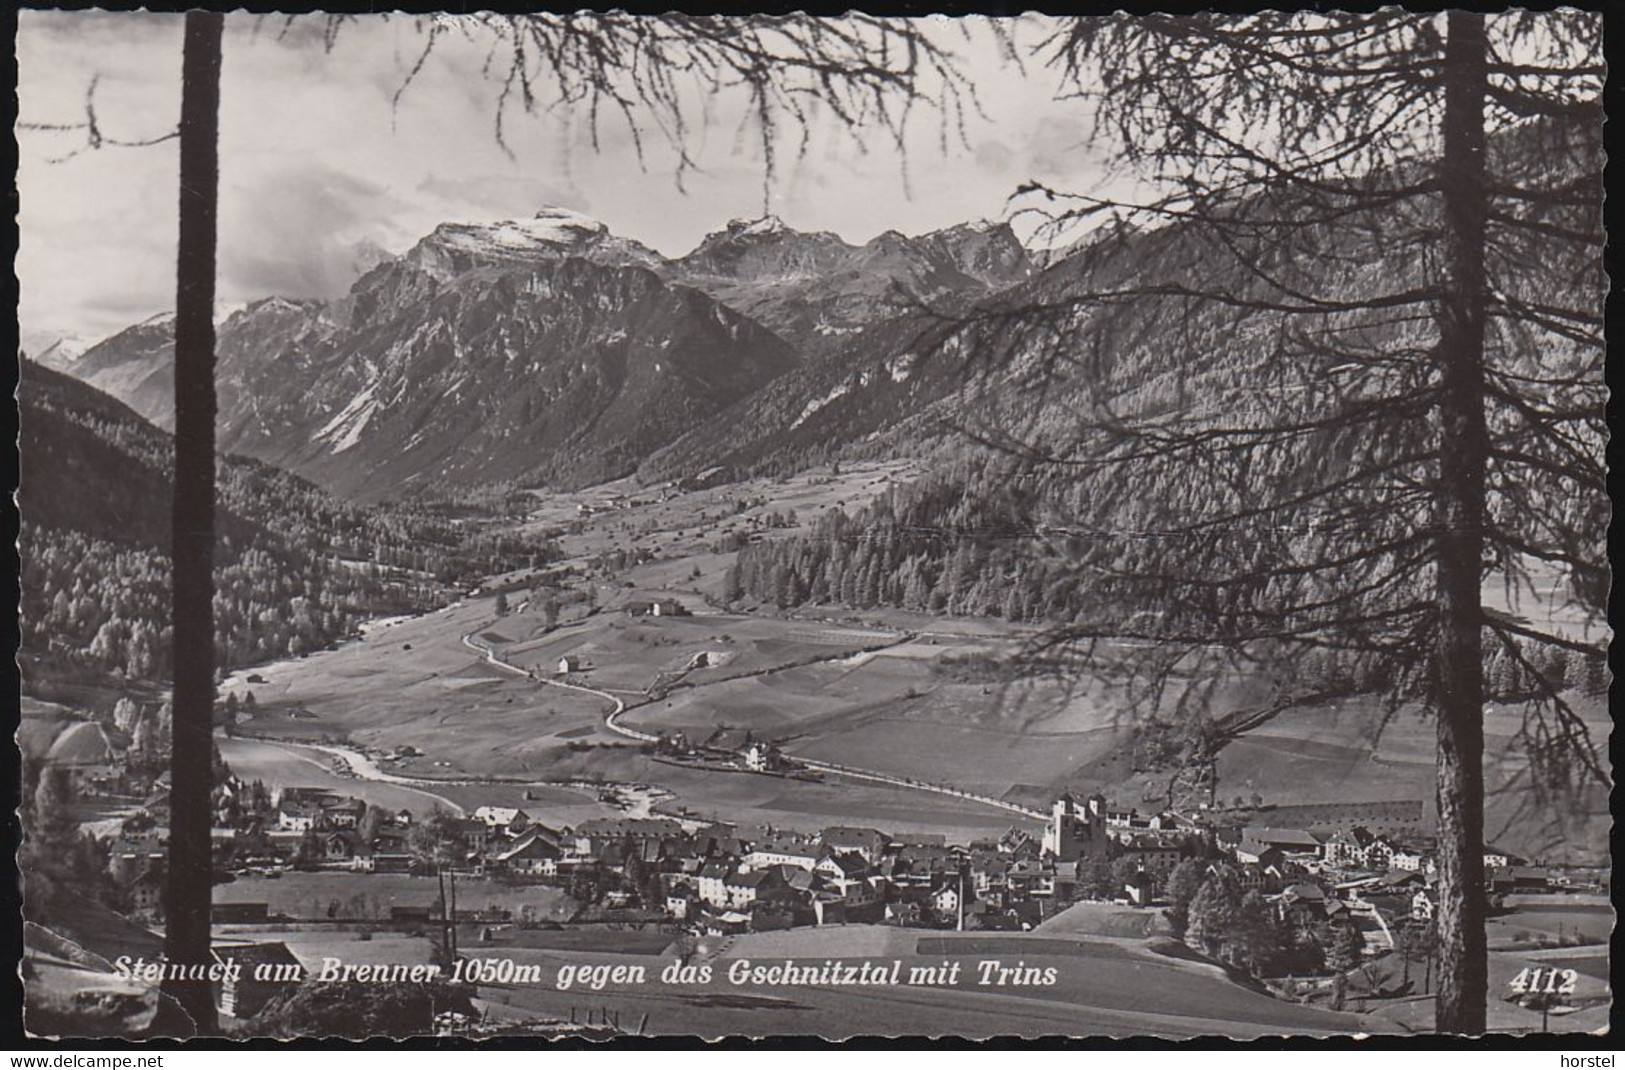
x,y
550,226
768,224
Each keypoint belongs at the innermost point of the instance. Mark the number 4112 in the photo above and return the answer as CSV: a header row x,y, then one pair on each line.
x,y
1545,979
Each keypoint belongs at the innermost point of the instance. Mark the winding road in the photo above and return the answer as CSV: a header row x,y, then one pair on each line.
x,y
613,723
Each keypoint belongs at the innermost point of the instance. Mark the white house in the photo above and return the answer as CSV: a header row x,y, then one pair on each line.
x,y
297,817
710,883
678,901
783,853
945,900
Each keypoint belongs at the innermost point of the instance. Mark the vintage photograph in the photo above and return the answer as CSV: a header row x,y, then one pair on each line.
x,y
598,525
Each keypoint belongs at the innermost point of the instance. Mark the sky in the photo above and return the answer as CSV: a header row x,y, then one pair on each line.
x,y
320,174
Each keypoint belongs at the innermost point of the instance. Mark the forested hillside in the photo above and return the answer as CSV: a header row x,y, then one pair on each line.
x,y
295,568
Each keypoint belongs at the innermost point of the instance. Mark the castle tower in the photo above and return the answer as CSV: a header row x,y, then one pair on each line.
x,y
1063,817
1071,832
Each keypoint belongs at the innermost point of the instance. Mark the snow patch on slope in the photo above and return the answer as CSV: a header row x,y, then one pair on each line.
x,y
350,421
815,404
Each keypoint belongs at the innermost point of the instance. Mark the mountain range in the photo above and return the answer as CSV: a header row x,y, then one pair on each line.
x,y
548,351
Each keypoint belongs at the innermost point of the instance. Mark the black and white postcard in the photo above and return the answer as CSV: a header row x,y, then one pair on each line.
x,y
608,525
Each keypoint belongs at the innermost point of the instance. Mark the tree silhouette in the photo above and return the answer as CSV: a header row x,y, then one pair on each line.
x,y
1337,369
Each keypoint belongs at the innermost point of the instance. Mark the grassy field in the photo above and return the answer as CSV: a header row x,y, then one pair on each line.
x,y
416,684
750,800
877,710
311,946
652,940
368,896
1106,919
1101,988
1352,751
629,653
1505,1015
1551,919
282,765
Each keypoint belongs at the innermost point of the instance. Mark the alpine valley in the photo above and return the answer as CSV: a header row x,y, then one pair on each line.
x,y
655,599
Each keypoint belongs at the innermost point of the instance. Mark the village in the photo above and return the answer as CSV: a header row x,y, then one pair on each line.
x,y
1295,898
691,879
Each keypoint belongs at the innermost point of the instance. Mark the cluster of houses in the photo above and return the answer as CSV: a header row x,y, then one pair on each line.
x,y
730,746
1350,871
713,877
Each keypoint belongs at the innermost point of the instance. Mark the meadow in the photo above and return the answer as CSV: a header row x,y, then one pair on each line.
x,y
349,896
1103,988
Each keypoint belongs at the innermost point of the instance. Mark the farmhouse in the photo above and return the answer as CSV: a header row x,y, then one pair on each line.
x,y
146,893
127,860
1518,879
570,663
297,814
343,813
1414,859
1252,852
743,888
536,853
389,852
659,607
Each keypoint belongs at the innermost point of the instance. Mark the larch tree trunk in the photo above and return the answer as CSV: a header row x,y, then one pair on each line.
x,y
1464,444
186,926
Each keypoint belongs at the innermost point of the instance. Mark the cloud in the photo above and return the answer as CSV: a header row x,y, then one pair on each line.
x,y
295,232
513,195
1057,147
994,156
319,172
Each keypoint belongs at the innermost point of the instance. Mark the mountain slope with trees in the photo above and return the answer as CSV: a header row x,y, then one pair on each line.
x,y
295,568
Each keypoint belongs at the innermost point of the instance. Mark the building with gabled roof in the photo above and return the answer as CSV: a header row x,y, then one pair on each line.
x,y
848,839
1288,841
264,970
535,853
783,851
